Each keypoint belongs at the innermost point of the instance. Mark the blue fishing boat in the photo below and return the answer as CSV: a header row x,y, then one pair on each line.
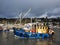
x,y
37,31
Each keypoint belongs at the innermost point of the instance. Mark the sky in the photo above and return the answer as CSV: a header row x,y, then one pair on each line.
x,y
39,8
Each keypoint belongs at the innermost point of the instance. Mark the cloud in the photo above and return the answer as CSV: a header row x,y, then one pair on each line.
x,y
43,15
51,13
12,8
55,11
54,16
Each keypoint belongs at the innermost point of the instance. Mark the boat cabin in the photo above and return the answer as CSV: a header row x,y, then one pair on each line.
x,y
41,28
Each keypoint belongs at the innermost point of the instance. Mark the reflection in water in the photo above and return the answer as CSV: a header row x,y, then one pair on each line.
x,y
8,38
42,43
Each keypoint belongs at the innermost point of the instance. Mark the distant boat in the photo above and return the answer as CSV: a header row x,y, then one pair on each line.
x,y
1,29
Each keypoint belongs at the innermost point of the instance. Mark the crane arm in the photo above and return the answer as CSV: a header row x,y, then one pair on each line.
x,y
27,13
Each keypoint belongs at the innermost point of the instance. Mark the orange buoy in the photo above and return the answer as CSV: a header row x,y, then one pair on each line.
x,y
33,30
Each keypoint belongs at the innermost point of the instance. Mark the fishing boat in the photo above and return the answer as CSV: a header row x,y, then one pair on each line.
x,y
36,31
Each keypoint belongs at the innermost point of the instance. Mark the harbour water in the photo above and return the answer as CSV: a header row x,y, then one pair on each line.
x,y
8,38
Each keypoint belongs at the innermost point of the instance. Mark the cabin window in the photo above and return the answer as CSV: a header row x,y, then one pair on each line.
x,y
43,27
40,27
46,27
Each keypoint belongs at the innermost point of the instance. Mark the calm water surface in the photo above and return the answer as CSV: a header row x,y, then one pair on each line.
x,y
8,38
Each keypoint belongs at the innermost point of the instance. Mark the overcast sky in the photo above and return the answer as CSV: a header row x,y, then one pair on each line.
x,y
39,8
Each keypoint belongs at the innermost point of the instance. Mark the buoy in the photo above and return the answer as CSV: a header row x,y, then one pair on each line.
x,y
33,30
